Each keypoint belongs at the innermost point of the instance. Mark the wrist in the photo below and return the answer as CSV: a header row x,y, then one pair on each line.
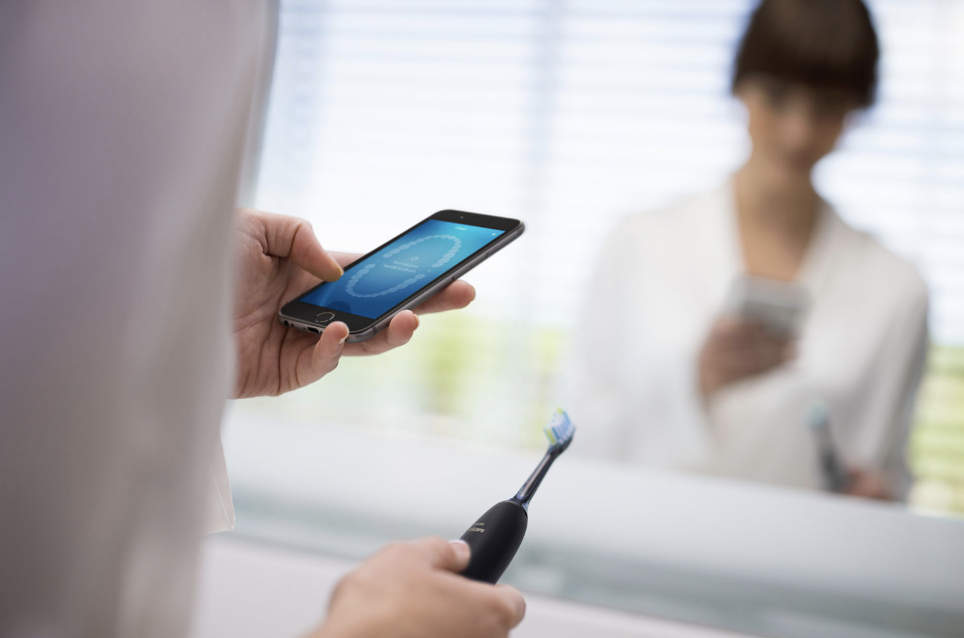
x,y
353,626
324,631
708,384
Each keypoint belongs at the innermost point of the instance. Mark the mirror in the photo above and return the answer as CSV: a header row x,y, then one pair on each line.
x,y
759,375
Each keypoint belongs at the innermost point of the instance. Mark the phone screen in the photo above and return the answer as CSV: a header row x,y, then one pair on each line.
x,y
374,285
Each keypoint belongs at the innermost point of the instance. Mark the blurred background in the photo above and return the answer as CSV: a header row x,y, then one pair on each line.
x,y
568,115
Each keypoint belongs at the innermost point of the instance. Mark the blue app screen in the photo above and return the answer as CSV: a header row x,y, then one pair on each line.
x,y
373,286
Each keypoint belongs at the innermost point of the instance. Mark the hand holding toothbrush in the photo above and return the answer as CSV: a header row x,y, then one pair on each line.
x,y
866,483
839,476
413,589
430,588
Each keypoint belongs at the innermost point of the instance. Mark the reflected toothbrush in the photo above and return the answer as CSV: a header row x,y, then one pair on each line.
x,y
496,535
832,468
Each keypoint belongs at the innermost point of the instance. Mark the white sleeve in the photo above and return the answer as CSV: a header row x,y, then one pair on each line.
x,y
911,359
122,127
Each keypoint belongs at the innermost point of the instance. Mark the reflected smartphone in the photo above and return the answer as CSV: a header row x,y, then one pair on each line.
x,y
780,306
402,273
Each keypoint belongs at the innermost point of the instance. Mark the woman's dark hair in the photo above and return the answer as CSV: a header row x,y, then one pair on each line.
x,y
822,43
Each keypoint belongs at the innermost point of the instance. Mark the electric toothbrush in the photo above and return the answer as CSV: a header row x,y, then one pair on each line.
x,y
496,535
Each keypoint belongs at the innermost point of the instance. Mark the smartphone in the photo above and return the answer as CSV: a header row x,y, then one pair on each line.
x,y
401,273
780,306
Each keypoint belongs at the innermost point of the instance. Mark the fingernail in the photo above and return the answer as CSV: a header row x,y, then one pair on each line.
x,y
343,339
417,320
460,546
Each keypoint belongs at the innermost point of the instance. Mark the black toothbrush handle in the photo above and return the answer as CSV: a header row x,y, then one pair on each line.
x,y
494,539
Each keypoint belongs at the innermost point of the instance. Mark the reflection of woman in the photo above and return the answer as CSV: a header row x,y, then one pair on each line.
x,y
671,383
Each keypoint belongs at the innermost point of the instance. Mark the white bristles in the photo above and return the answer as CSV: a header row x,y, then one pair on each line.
x,y
560,429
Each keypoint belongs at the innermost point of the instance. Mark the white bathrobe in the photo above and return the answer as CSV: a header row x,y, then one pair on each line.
x,y
663,279
122,129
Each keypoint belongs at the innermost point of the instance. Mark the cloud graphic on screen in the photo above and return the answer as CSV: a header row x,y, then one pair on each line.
x,y
358,276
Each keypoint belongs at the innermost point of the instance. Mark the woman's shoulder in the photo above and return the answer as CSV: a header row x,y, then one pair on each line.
x,y
870,260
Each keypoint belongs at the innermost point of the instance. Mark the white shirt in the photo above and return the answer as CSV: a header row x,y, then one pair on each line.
x,y
122,127
663,280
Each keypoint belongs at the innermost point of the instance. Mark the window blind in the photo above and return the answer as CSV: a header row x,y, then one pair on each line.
x,y
569,114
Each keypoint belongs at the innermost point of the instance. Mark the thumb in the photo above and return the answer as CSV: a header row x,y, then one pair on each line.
x,y
324,355
451,556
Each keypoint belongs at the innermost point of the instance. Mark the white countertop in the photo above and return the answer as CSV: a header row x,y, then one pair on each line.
x,y
749,557
249,590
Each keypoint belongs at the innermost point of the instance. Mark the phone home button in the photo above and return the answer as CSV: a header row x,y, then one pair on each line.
x,y
324,317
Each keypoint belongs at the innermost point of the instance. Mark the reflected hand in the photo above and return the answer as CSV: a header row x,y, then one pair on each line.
x,y
413,589
279,259
737,349
867,484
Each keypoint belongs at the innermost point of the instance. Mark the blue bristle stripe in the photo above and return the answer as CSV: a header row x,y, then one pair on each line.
x,y
560,428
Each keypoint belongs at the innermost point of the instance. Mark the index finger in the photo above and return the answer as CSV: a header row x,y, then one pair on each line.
x,y
505,601
514,602
294,238
344,259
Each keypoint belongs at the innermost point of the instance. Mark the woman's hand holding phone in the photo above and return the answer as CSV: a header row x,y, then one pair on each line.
x,y
279,258
737,349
